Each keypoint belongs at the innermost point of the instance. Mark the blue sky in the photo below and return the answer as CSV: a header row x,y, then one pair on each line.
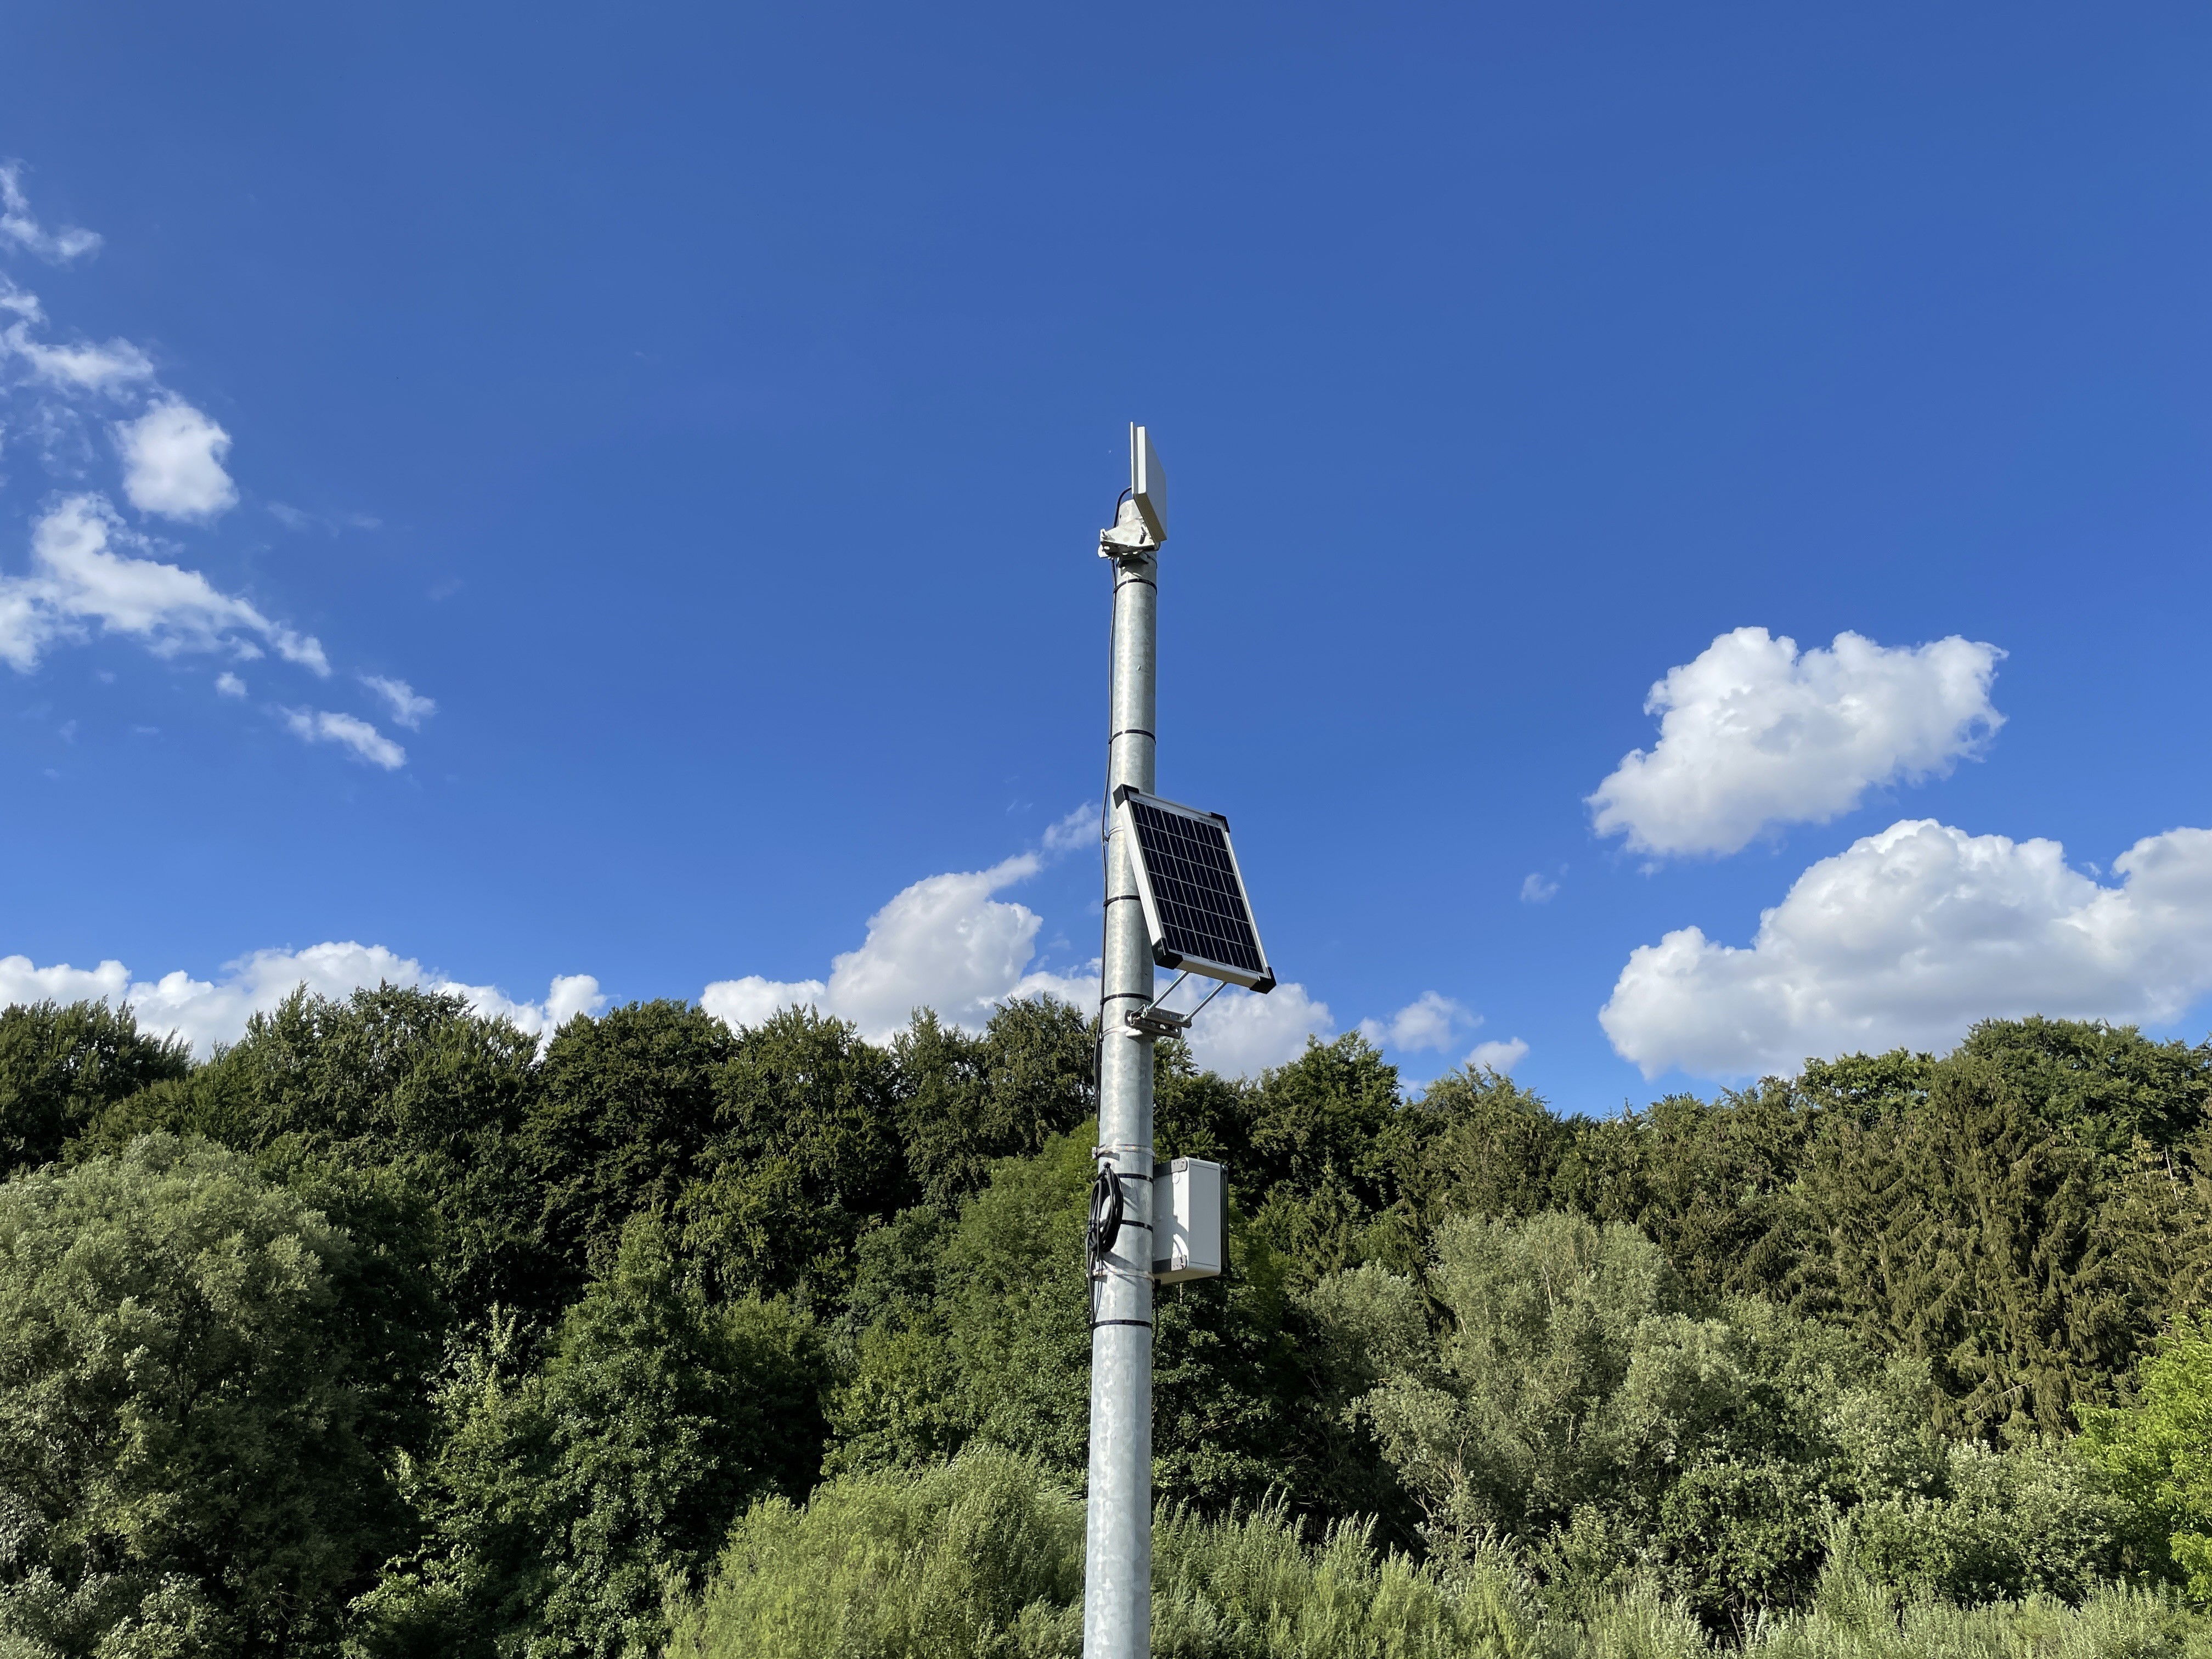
x,y
711,412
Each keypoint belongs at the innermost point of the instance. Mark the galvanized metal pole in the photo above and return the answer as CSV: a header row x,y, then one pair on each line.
x,y
1117,1604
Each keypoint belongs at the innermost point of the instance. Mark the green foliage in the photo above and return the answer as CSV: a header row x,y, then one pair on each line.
x,y
1582,1409
982,1557
2158,1451
804,1159
401,1094
1482,1378
179,1454
566,1501
623,1107
60,1068
2033,1519
967,1101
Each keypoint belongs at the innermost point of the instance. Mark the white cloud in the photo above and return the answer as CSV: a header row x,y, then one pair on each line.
x,y
18,225
1500,1057
1078,831
1752,735
949,944
85,367
229,685
407,708
1427,1021
1534,889
945,943
568,995
77,576
1242,1034
172,462
321,726
1908,937
752,999
208,1012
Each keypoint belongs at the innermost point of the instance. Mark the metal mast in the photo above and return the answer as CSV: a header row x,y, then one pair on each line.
x,y
1117,1607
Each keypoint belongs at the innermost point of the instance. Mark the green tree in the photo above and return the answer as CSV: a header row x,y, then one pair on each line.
x,y
61,1067
393,1091
805,1158
2158,1449
179,1444
1583,1406
623,1107
567,1500
966,1101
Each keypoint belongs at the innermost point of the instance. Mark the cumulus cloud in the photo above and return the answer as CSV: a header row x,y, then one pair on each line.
x,y
1427,1021
229,685
20,226
1242,1034
951,943
1753,735
1534,889
408,709
946,943
1500,1057
348,732
172,462
207,1011
79,576
1907,937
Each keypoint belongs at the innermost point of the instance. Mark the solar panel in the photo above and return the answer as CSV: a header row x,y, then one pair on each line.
x,y
1192,891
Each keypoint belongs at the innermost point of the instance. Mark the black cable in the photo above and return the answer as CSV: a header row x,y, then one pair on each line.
x,y
1106,1214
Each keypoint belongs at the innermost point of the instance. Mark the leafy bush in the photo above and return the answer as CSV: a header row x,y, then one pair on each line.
x,y
980,1559
2033,1519
2159,1450
180,1467
1580,1407
981,1556
566,1501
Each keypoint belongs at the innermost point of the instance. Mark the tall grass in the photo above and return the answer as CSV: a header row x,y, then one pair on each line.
x,y
981,1559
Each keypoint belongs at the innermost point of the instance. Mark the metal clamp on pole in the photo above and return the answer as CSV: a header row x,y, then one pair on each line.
x,y
1154,1021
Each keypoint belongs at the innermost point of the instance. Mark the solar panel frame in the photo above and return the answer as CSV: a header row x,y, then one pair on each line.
x,y
1150,893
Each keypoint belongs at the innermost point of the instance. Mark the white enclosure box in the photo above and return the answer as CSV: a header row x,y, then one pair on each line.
x,y
1190,1228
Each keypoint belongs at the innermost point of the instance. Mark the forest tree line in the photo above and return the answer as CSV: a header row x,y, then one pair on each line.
x,y
391,1330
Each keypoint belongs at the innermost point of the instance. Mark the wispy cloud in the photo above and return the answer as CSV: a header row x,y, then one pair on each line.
x,y
348,732
20,226
407,709
88,567
113,368
1077,830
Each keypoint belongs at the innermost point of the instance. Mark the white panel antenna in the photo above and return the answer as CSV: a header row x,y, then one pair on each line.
x,y
1148,484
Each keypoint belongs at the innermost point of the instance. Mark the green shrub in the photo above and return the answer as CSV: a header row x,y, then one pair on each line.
x,y
181,1470
979,1557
